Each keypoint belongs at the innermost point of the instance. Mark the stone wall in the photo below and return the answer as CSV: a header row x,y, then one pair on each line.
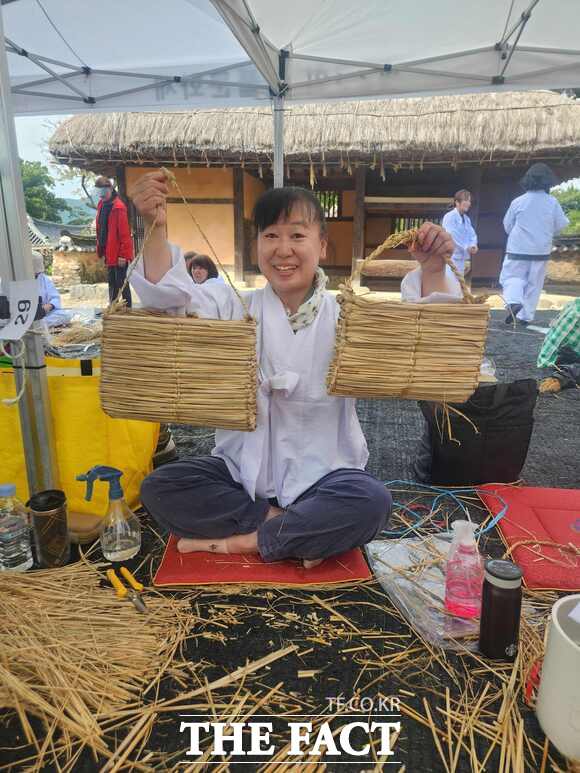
x,y
65,269
72,268
564,270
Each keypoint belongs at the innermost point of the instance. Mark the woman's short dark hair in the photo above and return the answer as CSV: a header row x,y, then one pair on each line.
x,y
539,177
203,261
462,195
277,204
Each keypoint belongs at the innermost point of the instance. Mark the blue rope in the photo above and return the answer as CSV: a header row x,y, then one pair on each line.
x,y
442,493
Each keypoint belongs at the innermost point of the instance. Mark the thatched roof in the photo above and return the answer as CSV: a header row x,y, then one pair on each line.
x,y
514,126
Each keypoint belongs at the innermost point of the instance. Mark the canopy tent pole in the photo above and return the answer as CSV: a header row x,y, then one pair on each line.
x,y
15,265
278,113
278,110
270,63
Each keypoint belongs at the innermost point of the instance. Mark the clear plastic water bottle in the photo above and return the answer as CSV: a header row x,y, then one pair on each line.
x,y
15,549
463,572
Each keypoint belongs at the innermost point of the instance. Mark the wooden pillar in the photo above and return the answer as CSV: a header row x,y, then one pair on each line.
x,y
121,182
238,224
472,181
472,177
136,223
121,179
358,231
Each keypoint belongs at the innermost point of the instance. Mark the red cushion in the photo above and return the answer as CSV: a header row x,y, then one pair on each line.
x,y
211,569
543,514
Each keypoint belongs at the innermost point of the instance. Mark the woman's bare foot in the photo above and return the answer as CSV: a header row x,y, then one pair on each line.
x,y
237,543
312,563
188,545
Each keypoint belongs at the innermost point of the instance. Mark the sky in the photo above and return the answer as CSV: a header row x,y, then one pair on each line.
x,y
32,134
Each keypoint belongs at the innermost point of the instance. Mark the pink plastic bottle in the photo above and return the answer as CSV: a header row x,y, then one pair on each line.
x,y
464,572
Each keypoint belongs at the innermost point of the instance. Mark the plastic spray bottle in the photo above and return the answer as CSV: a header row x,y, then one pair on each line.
x,y
464,572
120,530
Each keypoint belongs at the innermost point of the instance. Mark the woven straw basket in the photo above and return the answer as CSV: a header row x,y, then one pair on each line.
x,y
182,370
406,350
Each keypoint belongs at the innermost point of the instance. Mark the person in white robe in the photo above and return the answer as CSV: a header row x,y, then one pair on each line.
x,y
457,223
54,314
296,487
531,223
415,287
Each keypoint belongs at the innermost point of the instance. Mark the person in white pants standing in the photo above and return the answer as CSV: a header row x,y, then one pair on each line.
x,y
531,223
457,223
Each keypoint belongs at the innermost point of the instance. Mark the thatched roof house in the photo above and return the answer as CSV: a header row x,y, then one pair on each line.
x,y
481,128
378,166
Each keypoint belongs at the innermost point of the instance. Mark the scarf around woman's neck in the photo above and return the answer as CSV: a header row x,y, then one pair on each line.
x,y
308,309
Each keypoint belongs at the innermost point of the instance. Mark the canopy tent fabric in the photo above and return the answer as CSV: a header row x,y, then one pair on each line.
x,y
113,56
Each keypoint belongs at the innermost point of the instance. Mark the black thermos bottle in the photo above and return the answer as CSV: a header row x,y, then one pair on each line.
x,y
501,604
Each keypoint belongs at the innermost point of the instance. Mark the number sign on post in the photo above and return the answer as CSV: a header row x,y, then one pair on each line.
x,y
23,305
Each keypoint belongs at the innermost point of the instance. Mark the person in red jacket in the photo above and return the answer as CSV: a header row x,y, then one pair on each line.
x,y
114,242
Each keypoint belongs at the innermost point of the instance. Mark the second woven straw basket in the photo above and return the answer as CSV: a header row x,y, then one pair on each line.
x,y
407,350
182,370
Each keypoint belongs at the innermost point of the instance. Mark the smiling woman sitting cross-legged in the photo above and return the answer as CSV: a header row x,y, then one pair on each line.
x,y
296,487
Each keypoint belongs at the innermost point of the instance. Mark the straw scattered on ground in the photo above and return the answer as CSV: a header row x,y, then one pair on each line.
x,y
103,678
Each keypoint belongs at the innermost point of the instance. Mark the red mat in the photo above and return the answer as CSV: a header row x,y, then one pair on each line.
x,y
210,569
545,515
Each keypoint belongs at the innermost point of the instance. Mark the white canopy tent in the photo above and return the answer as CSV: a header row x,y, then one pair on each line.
x,y
107,55
64,57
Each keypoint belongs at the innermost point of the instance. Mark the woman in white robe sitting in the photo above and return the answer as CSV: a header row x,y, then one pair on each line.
x,y
296,487
54,315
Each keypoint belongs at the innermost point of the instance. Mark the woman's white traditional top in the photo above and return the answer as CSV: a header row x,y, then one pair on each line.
x,y
302,432
463,233
411,288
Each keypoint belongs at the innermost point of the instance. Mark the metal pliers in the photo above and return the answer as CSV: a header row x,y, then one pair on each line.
x,y
122,592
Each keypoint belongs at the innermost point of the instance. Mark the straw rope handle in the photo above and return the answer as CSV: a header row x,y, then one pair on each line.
x,y
408,238
118,302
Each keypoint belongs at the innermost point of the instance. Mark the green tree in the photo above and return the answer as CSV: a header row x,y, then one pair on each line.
x,y
40,200
80,220
84,181
570,201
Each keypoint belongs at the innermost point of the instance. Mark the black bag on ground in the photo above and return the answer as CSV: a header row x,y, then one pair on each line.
x,y
504,417
567,369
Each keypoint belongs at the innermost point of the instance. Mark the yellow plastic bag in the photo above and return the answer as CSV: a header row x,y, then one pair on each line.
x,y
84,437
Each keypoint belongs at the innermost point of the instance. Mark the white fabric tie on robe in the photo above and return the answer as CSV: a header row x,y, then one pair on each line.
x,y
257,443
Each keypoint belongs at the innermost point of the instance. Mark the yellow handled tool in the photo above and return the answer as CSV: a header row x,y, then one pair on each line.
x,y
123,592
120,589
131,579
